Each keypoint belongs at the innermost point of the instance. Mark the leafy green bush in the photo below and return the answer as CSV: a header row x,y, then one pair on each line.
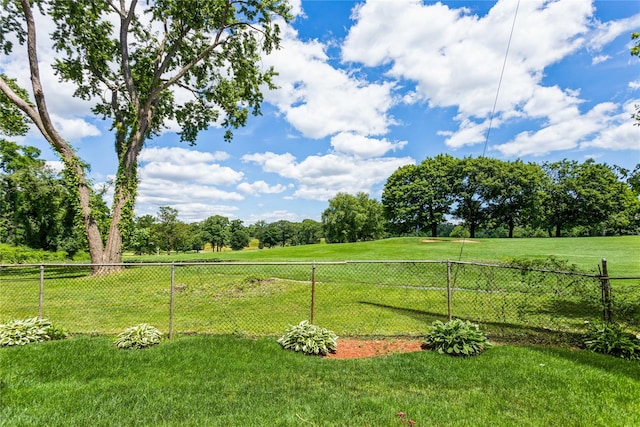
x,y
24,255
25,331
138,336
611,338
309,339
456,337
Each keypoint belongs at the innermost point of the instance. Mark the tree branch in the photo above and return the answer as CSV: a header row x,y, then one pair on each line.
x,y
43,120
125,22
216,42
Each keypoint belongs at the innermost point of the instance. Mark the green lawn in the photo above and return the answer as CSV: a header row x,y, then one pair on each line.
x,y
232,381
355,299
621,252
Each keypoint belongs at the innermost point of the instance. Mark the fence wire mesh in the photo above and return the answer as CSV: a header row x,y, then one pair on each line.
x,y
355,298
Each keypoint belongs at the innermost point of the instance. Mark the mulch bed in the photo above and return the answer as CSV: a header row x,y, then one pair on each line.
x,y
359,349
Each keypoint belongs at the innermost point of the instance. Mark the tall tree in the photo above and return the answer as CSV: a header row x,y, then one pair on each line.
x,y
476,184
581,194
238,235
284,230
167,229
216,231
352,218
419,197
130,58
309,232
517,194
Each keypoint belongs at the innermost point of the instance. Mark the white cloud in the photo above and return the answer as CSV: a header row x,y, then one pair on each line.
x,y
202,173
273,216
456,58
189,212
160,191
55,165
180,156
73,129
320,100
296,8
605,33
363,147
322,177
183,165
469,132
260,187
634,85
599,58
188,180
604,126
620,134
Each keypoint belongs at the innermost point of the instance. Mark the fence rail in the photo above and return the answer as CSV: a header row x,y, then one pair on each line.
x,y
352,298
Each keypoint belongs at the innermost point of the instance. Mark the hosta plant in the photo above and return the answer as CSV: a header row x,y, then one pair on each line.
x,y
138,336
25,331
309,339
611,338
456,337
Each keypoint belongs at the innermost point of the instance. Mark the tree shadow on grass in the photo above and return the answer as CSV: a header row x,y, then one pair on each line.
x,y
572,309
420,315
497,331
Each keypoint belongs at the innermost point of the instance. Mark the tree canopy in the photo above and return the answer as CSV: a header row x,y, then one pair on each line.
x,y
353,218
142,64
490,193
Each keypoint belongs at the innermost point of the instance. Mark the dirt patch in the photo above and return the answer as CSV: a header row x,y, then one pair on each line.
x,y
464,241
431,241
360,349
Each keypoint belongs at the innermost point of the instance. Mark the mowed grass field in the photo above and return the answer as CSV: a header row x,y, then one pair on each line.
x,y
354,299
622,252
229,379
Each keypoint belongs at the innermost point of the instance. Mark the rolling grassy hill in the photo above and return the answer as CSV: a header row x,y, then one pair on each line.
x,y
621,252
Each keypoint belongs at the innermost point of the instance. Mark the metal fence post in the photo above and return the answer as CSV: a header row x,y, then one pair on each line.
x,y
41,296
313,292
171,295
605,283
449,289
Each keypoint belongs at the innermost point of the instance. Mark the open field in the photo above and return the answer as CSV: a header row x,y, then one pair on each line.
x,y
230,381
353,299
622,252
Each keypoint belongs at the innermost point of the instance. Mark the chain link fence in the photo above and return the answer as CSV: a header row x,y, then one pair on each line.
x,y
354,298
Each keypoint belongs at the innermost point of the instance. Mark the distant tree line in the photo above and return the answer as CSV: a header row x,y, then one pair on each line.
x,y
166,233
442,196
559,198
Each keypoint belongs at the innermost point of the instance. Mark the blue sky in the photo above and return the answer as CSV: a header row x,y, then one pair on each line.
x,y
369,86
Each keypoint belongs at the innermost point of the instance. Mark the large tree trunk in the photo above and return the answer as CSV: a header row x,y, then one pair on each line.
x,y
39,114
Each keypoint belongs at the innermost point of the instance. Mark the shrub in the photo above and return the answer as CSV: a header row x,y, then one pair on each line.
x,y
611,338
456,337
460,231
25,331
309,339
138,336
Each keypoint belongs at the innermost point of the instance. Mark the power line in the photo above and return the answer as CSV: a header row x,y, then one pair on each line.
x,y
504,64
493,111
